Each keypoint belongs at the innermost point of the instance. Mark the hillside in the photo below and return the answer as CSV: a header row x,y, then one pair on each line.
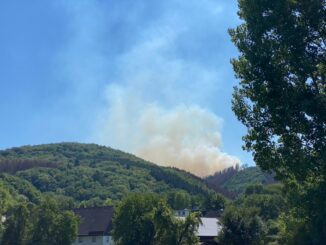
x,y
234,181
89,174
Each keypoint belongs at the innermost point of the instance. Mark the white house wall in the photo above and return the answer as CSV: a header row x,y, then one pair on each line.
x,y
88,240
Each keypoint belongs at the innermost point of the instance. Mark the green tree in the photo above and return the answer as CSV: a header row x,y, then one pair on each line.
x,y
187,230
255,217
214,201
66,228
133,223
29,224
148,220
269,203
53,226
164,223
179,199
6,201
170,230
254,189
44,223
18,227
242,226
282,99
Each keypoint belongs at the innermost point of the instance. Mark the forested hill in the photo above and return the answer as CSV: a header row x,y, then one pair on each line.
x,y
89,174
234,181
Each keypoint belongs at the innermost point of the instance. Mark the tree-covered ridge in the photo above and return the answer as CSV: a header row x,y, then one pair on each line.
x,y
234,180
246,177
90,174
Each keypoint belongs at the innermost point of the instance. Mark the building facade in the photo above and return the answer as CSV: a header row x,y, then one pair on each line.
x,y
95,226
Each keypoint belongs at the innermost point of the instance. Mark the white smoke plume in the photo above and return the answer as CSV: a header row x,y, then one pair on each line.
x,y
156,94
187,137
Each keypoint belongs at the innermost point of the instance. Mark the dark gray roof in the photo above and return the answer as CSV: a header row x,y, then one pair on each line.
x,y
212,214
95,221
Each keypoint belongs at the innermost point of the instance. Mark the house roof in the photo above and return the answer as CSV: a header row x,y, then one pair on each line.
x,y
212,214
209,227
95,221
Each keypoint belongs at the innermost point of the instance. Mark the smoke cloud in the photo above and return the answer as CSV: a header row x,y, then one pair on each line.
x,y
154,76
187,137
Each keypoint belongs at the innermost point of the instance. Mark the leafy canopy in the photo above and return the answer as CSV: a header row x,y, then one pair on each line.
x,y
46,223
253,217
148,220
281,99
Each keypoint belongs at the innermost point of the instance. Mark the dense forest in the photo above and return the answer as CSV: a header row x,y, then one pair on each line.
x,y
92,175
233,181
89,174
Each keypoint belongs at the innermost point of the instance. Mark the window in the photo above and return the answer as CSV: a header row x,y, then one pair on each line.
x,y
93,238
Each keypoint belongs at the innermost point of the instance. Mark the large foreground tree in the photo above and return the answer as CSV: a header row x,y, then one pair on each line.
x,y
281,100
148,220
30,224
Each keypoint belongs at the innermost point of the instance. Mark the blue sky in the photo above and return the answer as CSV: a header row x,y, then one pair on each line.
x,y
128,74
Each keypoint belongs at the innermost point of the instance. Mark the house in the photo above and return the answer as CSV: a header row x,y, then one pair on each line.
x,y
95,226
182,213
208,230
210,227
